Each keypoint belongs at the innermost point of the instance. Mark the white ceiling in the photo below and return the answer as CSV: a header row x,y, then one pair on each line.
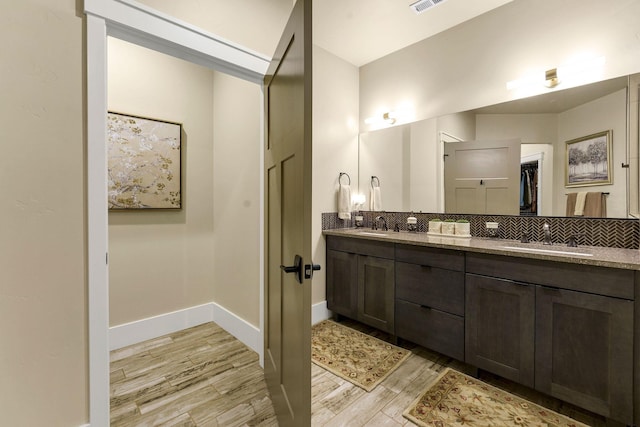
x,y
361,31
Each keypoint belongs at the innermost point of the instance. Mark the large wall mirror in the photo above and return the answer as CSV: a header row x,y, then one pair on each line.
x,y
410,161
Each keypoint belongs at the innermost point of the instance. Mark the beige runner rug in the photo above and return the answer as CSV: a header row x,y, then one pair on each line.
x,y
358,358
456,399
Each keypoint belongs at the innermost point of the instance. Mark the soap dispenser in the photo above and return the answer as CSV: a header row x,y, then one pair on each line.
x,y
412,224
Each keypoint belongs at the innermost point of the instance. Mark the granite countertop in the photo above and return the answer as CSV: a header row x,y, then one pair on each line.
x,y
589,255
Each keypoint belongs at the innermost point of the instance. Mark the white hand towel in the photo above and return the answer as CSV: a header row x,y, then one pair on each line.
x,y
580,199
375,199
344,202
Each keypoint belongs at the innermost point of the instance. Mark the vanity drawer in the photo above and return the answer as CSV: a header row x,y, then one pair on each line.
x,y
607,281
433,329
433,257
430,286
361,246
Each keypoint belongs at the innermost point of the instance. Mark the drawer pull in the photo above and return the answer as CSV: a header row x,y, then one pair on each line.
x,y
426,307
426,267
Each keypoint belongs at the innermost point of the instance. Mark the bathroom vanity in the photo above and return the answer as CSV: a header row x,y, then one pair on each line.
x,y
362,280
557,320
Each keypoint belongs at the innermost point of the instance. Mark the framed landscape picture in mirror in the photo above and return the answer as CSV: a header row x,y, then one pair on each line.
x,y
588,160
144,159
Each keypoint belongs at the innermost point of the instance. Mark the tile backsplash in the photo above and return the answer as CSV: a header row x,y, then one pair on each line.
x,y
614,233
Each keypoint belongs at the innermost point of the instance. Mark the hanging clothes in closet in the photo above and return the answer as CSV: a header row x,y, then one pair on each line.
x,y
529,188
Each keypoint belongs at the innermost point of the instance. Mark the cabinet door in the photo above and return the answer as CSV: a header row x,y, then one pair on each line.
x,y
376,293
342,283
499,327
584,347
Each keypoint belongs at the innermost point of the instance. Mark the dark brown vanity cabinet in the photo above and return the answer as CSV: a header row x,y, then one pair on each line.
x,y
570,325
430,298
342,283
564,329
584,350
500,322
360,280
375,292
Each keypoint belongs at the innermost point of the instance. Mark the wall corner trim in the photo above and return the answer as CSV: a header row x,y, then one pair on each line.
x,y
244,331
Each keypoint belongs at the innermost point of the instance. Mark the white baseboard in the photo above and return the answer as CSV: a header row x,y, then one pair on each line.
x,y
156,326
85,425
319,312
244,331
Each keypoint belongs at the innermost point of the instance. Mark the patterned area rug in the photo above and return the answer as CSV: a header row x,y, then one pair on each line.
x,y
358,358
455,399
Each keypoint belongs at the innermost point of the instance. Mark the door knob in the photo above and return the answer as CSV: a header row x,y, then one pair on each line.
x,y
309,269
295,268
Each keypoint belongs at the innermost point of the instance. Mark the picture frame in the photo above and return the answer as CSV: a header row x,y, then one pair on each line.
x,y
588,160
144,159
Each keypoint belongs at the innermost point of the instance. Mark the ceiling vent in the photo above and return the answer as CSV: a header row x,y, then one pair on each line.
x,y
422,5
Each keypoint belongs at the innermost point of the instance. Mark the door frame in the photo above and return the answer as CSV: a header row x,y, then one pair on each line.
x,y
537,157
143,26
443,138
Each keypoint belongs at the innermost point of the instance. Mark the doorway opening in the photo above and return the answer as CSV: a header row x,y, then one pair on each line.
x,y
145,27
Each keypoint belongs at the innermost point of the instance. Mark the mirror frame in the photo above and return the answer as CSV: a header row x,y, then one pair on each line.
x,y
633,145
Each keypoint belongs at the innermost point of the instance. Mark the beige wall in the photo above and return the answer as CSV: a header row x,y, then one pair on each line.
x,y
335,145
530,128
43,317
607,113
236,196
468,66
425,165
161,261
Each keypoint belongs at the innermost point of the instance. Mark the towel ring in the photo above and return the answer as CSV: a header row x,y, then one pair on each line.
x,y
374,180
340,177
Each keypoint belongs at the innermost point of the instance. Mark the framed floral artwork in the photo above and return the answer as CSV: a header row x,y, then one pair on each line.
x,y
588,160
144,161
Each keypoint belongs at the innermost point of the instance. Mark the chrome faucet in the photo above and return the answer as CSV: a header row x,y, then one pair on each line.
x,y
547,234
375,223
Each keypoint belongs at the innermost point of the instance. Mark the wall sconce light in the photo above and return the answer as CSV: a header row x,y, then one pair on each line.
x,y
551,78
389,118
403,112
575,72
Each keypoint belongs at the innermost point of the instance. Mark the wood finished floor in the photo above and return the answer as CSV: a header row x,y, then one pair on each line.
x,y
203,376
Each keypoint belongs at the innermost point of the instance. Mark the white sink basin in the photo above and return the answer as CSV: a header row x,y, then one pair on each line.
x,y
547,251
